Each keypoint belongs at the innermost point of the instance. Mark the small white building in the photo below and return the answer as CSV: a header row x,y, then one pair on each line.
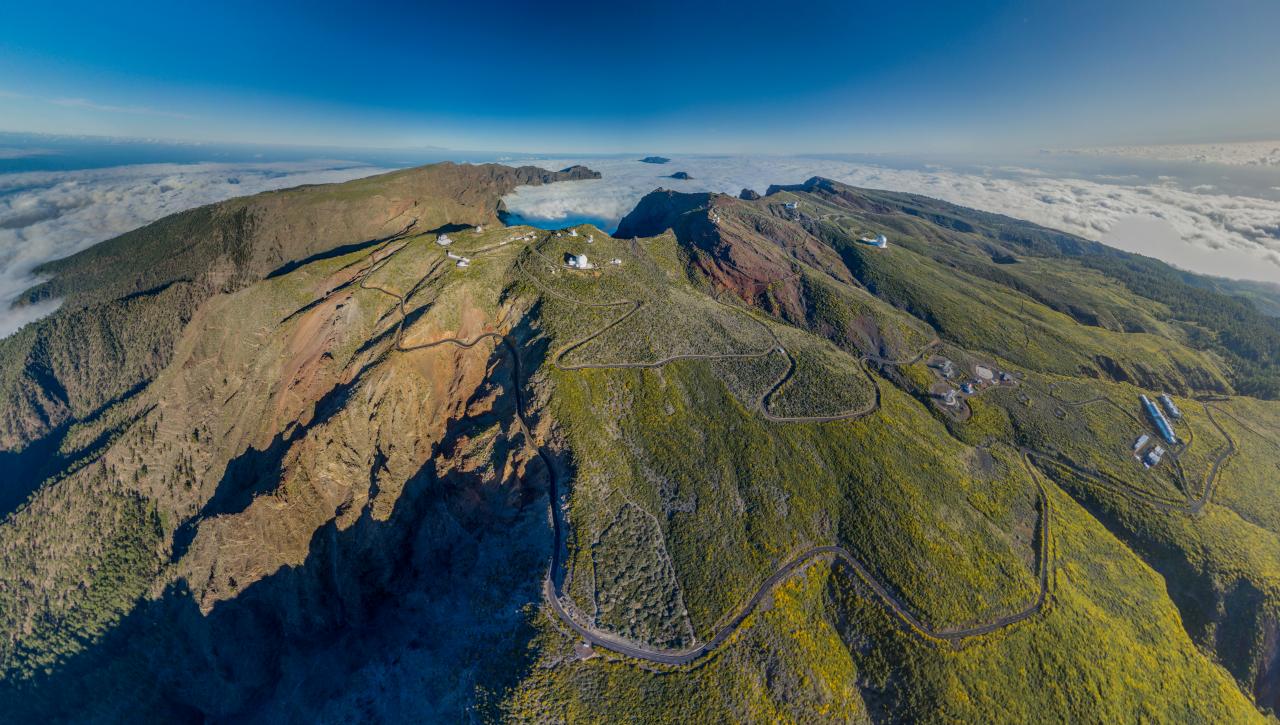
x,y
464,263
590,239
451,255
573,232
879,241
946,367
1142,441
792,205
444,240
577,261
615,261
1153,457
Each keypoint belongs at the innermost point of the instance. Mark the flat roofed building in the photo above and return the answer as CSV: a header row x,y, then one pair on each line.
x,y
1157,417
1169,406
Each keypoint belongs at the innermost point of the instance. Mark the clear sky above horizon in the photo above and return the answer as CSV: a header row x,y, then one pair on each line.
x,y
655,76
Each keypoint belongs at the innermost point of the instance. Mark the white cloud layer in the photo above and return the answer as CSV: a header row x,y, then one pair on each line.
x,y
1242,153
47,215
1232,236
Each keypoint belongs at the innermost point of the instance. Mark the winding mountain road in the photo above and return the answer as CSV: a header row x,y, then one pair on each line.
x,y
902,615
775,347
563,608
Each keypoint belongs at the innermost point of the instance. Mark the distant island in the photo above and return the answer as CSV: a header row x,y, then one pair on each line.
x,y
682,175
654,160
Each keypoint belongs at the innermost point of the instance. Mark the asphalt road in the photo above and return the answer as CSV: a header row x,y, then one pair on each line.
x,y
556,598
905,619
776,347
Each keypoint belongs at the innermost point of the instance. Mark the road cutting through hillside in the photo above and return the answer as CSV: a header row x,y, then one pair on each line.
x,y
562,606
775,347
902,616
1190,506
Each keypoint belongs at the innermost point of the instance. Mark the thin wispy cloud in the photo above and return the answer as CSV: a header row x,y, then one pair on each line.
x,y
23,153
92,105
110,108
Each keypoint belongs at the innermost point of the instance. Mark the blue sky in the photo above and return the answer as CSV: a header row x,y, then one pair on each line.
x,y
706,76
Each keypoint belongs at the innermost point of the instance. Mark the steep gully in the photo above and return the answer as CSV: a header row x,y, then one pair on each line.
x,y
562,606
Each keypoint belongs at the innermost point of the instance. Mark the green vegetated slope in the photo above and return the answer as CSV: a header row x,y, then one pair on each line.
x,y
1109,648
1214,316
1249,482
675,442
1083,346
328,500
1217,549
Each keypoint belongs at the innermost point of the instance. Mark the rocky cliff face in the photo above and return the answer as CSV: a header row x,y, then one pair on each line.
x,y
319,448
768,256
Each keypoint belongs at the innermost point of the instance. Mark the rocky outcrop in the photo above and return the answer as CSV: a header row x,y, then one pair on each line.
x,y
748,195
659,211
777,264
736,245
681,175
654,160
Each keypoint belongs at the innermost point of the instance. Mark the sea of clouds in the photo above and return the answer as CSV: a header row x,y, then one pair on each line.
x,y
46,215
1191,228
1241,153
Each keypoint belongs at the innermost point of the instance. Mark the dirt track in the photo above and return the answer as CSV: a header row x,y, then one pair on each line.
x,y
1190,507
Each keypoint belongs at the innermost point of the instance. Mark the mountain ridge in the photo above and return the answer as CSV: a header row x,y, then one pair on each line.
x,y
48,383
342,493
